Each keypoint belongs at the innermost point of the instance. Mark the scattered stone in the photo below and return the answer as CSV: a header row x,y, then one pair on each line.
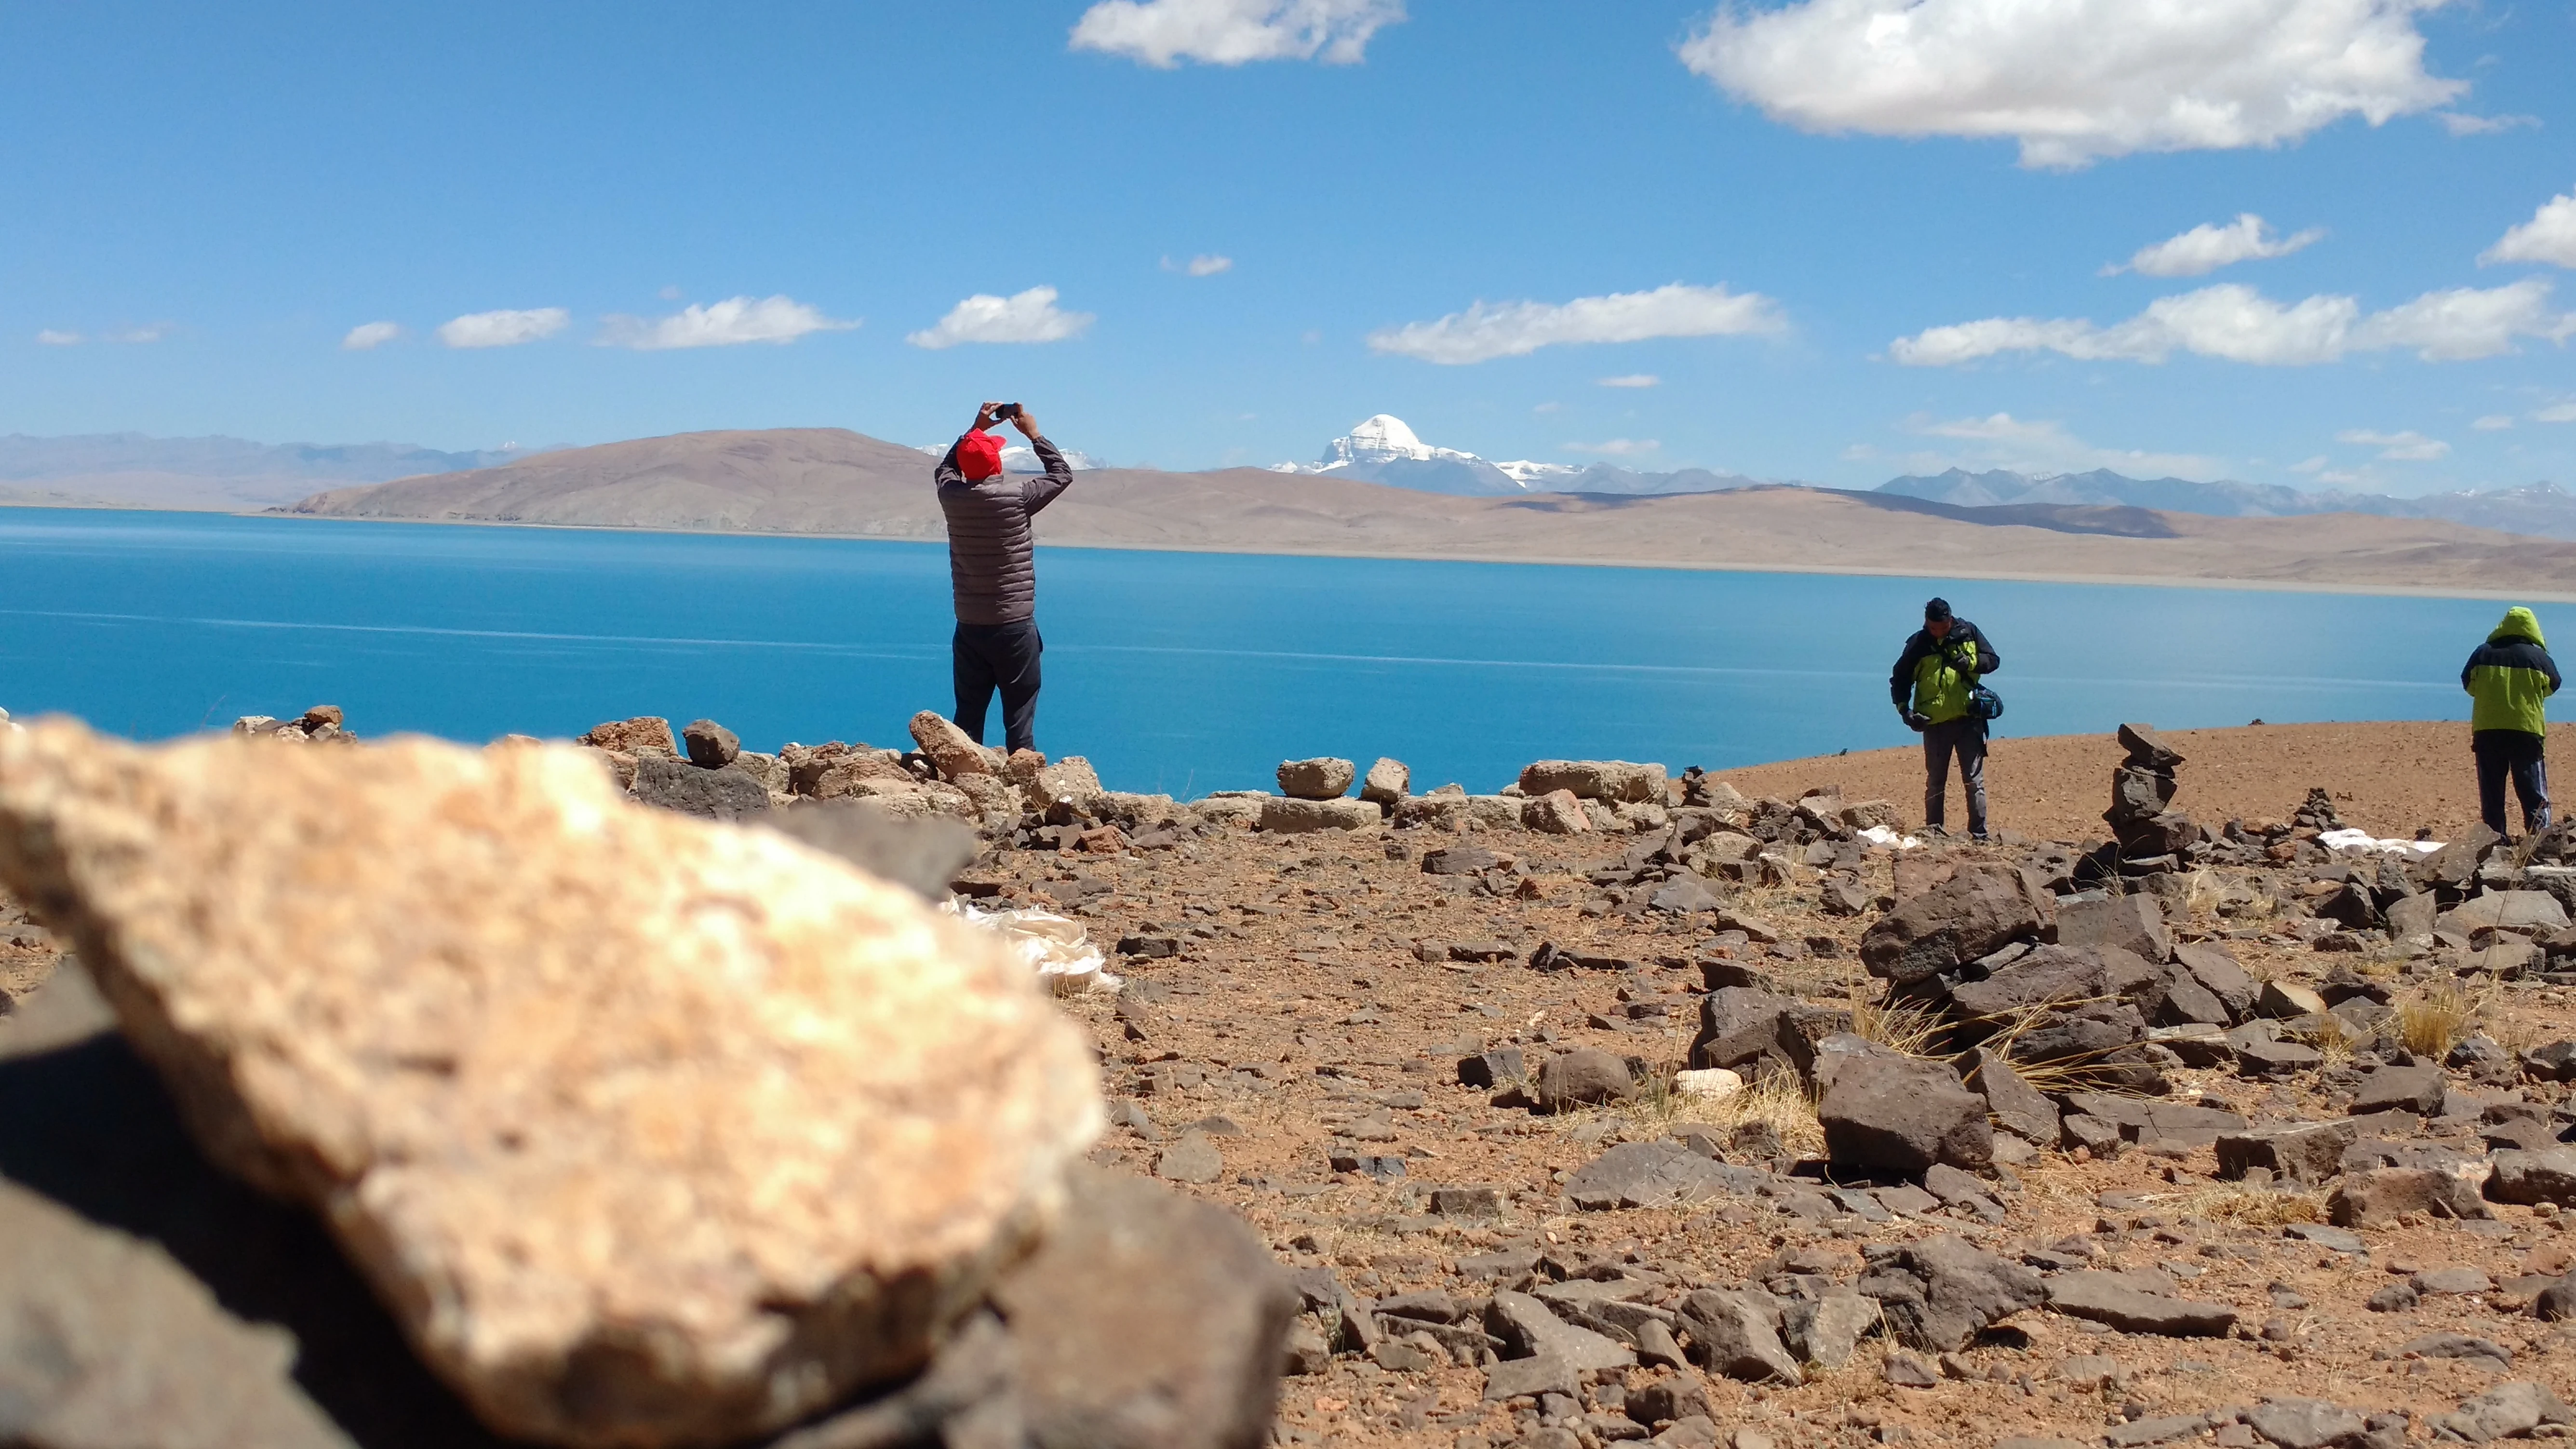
x,y
642,735
723,793
1940,1292
1655,1174
2507,1411
501,938
1905,1371
2395,1298
2535,1177
1296,816
2016,1105
1192,1159
2162,1428
1467,1202
2528,913
2306,1424
1387,783
2379,1197
949,749
2129,923
1897,1116
1515,1378
2392,1089
2301,1152
1316,779
710,745
2110,1298
1733,1336
1528,1328
1587,1077
2484,1352
2452,1280
1558,812
1609,781
1667,1400
1982,907
1462,860
1825,1331
2288,1001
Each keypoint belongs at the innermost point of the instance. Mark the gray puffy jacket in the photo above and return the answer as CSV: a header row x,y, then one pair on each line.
x,y
989,565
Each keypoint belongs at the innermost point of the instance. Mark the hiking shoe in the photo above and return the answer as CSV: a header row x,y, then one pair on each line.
x,y
1978,836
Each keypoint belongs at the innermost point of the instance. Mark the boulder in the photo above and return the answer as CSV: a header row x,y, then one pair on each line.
x,y
2391,1089
1528,1328
2051,975
1559,812
1968,916
1304,817
709,794
2109,1298
1610,781
2524,913
1323,778
543,1061
2215,970
2132,923
2015,1105
1825,1331
1896,1116
1387,782
710,745
1939,1293
2377,1197
1731,1334
1655,1174
2302,1152
2507,1411
2548,1176
949,749
1067,787
642,735
1584,1077
1740,1024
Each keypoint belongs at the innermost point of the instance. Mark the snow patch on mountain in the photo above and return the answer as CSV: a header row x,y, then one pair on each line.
x,y
1384,450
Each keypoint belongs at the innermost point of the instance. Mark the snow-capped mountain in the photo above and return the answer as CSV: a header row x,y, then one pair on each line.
x,y
1384,450
1021,458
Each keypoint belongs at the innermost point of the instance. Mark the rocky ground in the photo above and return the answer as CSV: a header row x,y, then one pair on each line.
x,y
1698,1115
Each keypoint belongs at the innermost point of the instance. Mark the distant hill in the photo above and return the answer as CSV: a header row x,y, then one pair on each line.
x,y
2542,510
209,473
831,481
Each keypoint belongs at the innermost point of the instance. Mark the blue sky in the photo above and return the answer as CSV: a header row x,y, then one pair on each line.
x,y
1881,227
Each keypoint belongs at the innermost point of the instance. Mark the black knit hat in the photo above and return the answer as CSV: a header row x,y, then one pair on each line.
x,y
1936,610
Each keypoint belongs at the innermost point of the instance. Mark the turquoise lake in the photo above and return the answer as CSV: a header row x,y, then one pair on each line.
x,y
1173,672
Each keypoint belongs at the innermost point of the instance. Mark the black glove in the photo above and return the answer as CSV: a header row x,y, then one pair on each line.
x,y
1917,721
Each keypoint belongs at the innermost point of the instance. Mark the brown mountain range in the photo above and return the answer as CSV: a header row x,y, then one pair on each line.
x,y
835,482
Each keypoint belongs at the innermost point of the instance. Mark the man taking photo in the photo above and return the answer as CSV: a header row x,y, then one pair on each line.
x,y
1931,686
992,573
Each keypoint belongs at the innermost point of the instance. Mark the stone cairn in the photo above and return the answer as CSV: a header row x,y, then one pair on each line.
x,y
2148,835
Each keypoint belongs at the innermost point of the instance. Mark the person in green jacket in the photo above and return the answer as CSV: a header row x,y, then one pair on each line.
x,y
1930,685
2510,679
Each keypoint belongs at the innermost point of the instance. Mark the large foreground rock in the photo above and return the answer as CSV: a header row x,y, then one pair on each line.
x,y
108,1342
651,1131
1970,915
1892,1116
1939,1293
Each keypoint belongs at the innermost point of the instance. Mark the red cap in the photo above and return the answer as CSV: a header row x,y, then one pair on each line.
x,y
979,455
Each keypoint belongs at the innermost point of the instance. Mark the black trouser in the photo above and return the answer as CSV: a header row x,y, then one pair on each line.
x,y
1966,738
2516,753
1004,657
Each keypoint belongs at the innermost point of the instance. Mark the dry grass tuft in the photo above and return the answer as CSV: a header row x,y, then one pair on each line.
x,y
2253,1207
2333,1039
2431,1022
1779,1102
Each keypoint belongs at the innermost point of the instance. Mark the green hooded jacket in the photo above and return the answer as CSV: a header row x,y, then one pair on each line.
x,y
2511,676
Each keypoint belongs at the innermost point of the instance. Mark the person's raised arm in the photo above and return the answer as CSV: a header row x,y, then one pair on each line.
x,y
1041,490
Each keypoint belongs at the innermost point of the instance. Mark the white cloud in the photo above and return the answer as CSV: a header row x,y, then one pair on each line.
x,y
153,333
1029,316
728,323
2041,445
1617,447
2464,125
2406,447
2550,236
1200,266
669,294
52,338
1515,329
1230,32
2316,464
2238,324
504,328
2556,413
1634,379
2493,423
2206,248
368,336
2075,81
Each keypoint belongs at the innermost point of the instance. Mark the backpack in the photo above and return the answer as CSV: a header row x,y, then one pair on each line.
x,y
1984,703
